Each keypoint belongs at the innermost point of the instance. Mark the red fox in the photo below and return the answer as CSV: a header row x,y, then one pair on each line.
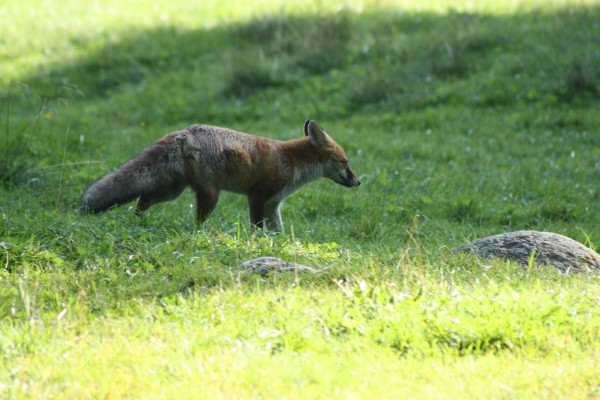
x,y
211,159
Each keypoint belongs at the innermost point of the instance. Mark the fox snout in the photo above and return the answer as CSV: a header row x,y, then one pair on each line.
x,y
348,179
339,171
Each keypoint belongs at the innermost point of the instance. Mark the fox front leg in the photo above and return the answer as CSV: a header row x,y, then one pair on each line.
x,y
264,213
273,216
256,205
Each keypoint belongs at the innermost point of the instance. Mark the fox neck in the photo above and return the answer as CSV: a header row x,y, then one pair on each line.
x,y
307,174
307,166
301,177
307,162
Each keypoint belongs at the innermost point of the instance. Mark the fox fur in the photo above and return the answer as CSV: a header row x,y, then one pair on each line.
x,y
210,159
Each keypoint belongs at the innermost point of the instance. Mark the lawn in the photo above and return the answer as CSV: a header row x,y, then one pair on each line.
x,y
462,119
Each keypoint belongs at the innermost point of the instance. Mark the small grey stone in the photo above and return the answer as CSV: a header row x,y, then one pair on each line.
x,y
550,248
263,265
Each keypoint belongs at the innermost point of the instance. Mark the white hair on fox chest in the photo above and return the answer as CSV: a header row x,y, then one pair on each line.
x,y
301,177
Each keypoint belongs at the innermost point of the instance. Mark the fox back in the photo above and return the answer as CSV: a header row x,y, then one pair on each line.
x,y
210,159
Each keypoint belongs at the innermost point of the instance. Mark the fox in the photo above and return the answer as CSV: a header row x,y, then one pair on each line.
x,y
210,159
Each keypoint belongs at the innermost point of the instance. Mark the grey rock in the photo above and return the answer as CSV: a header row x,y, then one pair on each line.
x,y
264,265
550,248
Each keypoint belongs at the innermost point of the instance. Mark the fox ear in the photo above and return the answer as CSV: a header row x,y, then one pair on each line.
x,y
306,127
318,137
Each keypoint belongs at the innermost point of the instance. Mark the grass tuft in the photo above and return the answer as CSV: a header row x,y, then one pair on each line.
x,y
15,148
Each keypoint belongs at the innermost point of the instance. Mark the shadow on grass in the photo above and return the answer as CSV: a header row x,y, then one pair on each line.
x,y
393,61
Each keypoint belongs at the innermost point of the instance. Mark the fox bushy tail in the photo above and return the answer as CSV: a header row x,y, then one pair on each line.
x,y
157,174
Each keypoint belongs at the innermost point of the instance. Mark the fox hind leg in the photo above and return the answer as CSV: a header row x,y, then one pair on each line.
x,y
206,201
162,194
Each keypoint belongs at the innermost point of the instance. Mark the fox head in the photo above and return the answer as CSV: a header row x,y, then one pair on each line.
x,y
335,161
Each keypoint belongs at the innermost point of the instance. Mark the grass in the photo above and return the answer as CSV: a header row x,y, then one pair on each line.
x,y
462,119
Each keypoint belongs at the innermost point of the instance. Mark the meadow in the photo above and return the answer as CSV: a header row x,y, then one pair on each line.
x,y
461,118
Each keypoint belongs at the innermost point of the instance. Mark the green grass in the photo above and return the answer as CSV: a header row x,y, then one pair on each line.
x,y
462,119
